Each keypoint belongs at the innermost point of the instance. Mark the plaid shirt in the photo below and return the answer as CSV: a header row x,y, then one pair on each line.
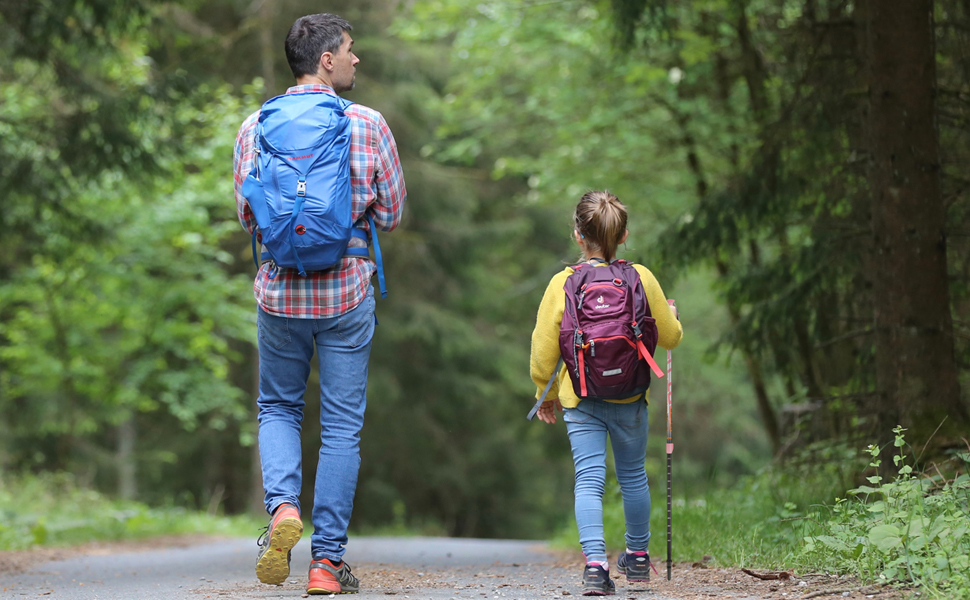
x,y
378,185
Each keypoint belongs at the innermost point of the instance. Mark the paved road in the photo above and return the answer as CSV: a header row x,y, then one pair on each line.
x,y
404,568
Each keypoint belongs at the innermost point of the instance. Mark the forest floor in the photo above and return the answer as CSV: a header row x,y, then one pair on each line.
x,y
197,567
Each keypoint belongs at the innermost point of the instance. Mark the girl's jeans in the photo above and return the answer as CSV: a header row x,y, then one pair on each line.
x,y
587,425
343,349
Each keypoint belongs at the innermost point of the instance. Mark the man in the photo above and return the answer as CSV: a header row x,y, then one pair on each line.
x,y
330,310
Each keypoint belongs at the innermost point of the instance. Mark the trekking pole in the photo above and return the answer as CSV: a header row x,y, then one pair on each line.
x,y
670,442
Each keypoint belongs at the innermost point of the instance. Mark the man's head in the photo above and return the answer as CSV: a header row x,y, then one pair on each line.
x,y
318,48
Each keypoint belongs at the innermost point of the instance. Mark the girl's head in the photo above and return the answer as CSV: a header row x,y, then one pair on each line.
x,y
600,222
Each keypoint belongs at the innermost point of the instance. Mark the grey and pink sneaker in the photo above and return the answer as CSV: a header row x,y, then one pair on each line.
x,y
635,565
596,580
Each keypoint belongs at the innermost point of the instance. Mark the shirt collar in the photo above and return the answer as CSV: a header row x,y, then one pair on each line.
x,y
311,87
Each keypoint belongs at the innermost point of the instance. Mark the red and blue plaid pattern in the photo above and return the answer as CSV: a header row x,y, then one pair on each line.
x,y
378,186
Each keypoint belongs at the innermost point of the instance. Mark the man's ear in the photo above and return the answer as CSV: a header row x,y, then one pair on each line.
x,y
326,62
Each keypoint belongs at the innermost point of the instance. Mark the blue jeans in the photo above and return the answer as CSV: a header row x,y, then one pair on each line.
x,y
343,351
588,425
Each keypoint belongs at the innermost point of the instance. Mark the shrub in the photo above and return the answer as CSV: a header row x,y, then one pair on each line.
x,y
913,529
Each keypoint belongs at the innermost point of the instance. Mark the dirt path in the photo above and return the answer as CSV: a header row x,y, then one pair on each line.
x,y
406,568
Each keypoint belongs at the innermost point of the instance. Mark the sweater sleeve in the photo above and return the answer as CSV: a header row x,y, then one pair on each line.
x,y
545,336
669,327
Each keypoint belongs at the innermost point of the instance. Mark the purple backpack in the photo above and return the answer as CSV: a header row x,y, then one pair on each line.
x,y
607,337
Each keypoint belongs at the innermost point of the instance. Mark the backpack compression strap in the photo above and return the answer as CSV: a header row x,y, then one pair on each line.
x,y
542,398
582,372
650,361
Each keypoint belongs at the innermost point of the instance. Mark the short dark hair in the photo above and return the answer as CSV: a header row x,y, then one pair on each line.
x,y
310,37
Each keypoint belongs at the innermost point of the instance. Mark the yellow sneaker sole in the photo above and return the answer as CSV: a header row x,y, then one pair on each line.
x,y
273,567
320,591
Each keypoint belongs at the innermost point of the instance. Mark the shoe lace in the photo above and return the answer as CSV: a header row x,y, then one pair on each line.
x,y
262,537
345,568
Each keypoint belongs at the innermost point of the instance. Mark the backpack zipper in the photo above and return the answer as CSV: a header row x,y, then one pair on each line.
x,y
615,337
582,296
577,343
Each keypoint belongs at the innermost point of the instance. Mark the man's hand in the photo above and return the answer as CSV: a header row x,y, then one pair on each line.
x,y
547,411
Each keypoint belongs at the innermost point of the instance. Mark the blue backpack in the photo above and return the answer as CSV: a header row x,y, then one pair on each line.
x,y
299,189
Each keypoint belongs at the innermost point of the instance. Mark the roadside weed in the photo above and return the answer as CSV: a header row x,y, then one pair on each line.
x,y
913,529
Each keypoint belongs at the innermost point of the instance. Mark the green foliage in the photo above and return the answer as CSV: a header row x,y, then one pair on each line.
x,y
732,131
913,529
140,319
116,294
52,510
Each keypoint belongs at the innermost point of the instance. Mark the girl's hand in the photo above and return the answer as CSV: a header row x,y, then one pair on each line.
x,y
547,411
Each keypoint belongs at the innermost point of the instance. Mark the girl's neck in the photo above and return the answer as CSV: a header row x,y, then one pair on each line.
x,y
597,259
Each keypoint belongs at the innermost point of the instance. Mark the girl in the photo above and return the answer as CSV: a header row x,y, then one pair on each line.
x,y
600,226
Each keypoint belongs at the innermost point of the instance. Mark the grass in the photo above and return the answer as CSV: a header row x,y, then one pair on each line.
x,y
51,510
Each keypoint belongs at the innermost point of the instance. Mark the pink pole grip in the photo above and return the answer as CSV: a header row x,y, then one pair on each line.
x,y
670,392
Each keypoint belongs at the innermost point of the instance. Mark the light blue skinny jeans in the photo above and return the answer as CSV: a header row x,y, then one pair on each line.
x,y
286,347
588,425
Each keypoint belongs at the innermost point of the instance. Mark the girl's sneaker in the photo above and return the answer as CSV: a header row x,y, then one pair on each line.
x,y
635,565
597,582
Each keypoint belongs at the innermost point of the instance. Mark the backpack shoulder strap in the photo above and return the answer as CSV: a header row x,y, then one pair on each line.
x,y
636,284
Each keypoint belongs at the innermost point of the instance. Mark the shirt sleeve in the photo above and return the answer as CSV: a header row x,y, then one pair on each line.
x,y
242,164
669,327
391,192
545,336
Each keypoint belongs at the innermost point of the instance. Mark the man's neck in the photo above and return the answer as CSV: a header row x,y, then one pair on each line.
x,y
313,80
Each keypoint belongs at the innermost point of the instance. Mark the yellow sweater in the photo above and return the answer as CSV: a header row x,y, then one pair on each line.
x,y
545,337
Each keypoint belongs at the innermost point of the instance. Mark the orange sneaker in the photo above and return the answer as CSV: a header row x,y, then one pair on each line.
x,y
325,578
279,537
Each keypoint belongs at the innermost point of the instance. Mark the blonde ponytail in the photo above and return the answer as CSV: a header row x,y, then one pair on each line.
x,y
600,218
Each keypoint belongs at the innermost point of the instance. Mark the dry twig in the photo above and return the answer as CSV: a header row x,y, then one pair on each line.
x,y
784,575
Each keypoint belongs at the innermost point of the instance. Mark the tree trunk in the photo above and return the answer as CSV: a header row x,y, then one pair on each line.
x,y
916,374
267,48
127,469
